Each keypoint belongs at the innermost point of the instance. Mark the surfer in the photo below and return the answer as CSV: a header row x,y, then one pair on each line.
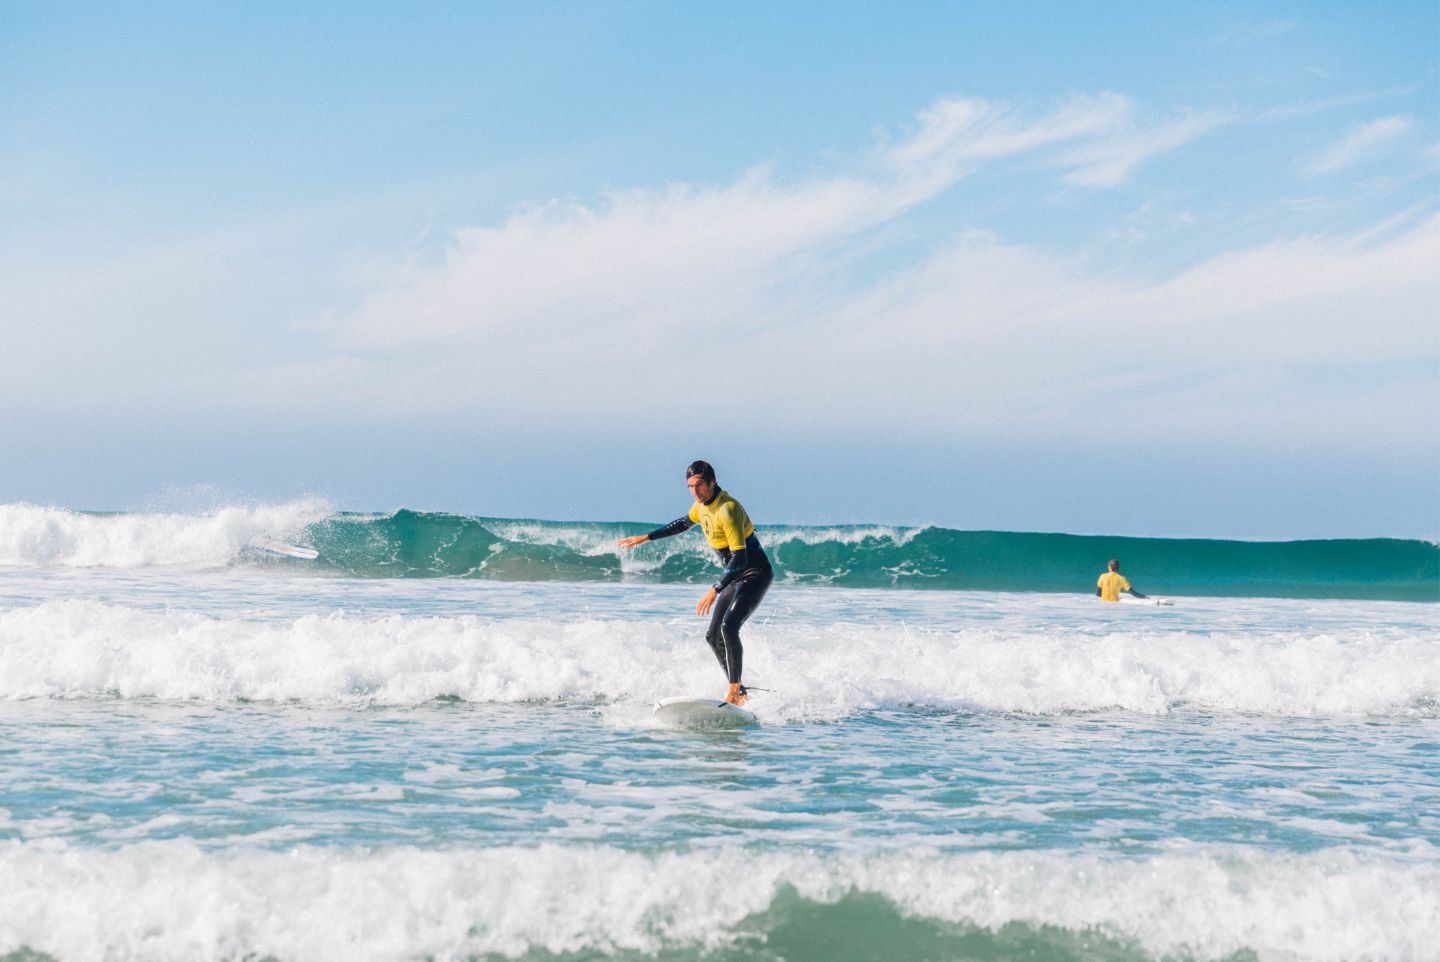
x,y
743,583
1112,582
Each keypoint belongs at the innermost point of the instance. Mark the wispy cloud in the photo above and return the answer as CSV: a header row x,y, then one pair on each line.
x,y
700,254
989,334
1332,103
973,130
1242,35
1359,145
654,305
1111,161
658,304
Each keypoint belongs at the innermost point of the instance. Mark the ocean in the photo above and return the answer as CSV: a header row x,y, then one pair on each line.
x,y
434,742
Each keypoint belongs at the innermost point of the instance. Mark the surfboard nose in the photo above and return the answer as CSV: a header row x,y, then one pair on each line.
x,y
698,713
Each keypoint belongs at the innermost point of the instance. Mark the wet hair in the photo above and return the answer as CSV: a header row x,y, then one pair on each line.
x,y
702,470
1114,565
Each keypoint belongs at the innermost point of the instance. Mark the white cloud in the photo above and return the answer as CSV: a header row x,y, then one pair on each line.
x,y
989,337
545,267
1332,103
1241,35
1107,141
666,263
1111,161
984,338
690,303
765,301
1361,144
972,130
143,326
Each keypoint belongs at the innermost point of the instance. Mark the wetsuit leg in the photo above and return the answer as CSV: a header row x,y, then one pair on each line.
x,y
732,607
714,636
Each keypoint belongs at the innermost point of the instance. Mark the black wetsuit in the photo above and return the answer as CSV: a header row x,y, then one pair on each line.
x,y
739,591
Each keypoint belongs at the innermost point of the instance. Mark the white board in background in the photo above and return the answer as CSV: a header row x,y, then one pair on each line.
x,y
284,549
685,712
1152,600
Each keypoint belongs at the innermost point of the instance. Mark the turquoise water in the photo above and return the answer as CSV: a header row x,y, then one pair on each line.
x,y
207,755
413,544
416,544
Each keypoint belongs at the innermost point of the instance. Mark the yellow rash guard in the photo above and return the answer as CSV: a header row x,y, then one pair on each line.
x,y
728,530
724,521
1111,583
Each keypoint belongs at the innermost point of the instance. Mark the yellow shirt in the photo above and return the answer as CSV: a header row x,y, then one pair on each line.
x,y
725,523
1111,583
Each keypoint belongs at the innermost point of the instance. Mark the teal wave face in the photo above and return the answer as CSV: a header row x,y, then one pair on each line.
x,y
411,544
860,927
867,926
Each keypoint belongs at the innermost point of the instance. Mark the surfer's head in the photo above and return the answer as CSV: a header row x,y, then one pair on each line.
x,y
1114,565
701,479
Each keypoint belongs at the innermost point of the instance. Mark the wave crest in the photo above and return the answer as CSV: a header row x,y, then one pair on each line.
x,y
178,901
413,544
34,536
86,649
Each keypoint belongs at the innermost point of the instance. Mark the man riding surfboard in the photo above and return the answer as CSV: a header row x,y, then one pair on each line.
x,y
743,583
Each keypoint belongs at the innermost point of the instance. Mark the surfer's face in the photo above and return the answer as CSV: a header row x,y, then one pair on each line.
x,y
701,488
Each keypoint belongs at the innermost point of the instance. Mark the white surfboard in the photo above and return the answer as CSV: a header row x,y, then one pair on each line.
x,y
685,712
1151,600
284,549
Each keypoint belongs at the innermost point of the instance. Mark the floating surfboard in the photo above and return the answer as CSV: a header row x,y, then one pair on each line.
x,y
1152,600
285,549
683,712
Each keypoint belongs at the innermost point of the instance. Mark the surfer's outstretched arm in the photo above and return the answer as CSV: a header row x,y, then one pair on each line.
x,y
678,526
1136,593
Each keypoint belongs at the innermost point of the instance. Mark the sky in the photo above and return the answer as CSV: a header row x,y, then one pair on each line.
x,y
1122,268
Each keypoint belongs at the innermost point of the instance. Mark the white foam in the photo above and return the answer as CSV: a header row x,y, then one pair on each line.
x,y
599,541
589,540
34,536
89,648
841,534
172,900
595,541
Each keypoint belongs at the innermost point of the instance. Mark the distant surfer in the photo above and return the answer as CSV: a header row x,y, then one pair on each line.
x,y
1112,582
743,583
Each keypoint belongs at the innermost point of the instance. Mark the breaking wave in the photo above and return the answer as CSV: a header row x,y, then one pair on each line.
x,y
413,544
90,649
174,900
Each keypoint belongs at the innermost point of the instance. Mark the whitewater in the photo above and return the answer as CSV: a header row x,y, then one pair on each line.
x,y
435,742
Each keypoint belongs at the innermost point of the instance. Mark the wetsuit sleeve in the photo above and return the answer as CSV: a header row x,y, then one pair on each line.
x,y
735,546
678,526
733,567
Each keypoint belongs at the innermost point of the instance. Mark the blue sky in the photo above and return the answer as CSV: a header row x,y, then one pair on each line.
x,y
1127,268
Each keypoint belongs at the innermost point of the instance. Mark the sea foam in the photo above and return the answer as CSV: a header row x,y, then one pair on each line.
x,y
90,649
174,900
34,536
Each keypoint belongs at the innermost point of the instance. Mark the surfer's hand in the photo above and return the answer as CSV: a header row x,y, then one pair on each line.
x,y
633,540
706,603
